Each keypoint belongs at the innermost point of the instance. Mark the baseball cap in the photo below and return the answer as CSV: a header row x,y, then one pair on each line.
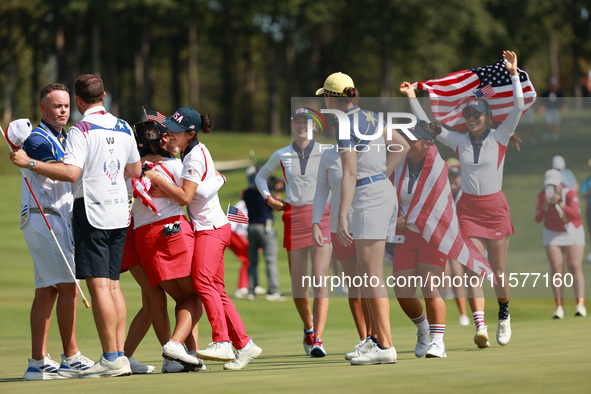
x,y
455,170
421,130
307,112
335,84
552,177
184,119
477,105
558,162
18,131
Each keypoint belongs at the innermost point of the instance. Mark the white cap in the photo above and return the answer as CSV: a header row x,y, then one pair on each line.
x,y
18,131
552,177
558,162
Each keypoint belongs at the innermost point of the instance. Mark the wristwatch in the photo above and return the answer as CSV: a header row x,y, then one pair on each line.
x,y
32,163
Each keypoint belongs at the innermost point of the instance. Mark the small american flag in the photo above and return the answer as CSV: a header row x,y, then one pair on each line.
x,y
449,94
155,116
236,215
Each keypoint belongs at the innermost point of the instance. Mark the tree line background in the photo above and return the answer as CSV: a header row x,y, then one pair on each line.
x,y
243,60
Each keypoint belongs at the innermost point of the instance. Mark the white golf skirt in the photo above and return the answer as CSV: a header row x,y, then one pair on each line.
x,y
563,238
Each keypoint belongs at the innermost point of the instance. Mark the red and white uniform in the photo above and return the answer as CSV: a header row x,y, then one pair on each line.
x,y
300,170
163,257
561,231
212,239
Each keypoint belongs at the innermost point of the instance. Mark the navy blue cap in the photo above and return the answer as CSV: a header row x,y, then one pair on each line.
x,y
184,119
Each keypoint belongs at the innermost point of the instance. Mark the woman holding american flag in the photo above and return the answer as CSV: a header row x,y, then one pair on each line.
x,y
483,211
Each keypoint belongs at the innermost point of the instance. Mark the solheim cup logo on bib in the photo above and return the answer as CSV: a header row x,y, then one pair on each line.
x,y
111,168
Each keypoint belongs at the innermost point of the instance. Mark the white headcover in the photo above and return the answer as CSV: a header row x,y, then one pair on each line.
x,y
18,131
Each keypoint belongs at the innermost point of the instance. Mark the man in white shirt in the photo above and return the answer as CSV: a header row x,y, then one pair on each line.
x,y
100,151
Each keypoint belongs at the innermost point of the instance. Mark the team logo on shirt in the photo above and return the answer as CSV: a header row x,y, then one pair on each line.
x,y
111,167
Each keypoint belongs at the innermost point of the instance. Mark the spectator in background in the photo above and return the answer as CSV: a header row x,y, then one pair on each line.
x,y
558,207
568,178
586,194
261,235
553,101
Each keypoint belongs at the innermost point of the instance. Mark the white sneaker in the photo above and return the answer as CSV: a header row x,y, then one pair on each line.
x,y
217,351
72,366
504,331
464,321
177,352
423,339
241,293
318,349
376,356
260,290
581,310
139,368
481,337
45,369
360,349
244,356
275,297
105,369
436,349
558,313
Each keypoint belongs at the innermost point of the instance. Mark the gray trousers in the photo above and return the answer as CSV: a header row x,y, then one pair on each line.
x,y
261,236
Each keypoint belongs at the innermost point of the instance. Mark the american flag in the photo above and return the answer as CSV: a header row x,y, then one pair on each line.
x,y
236,215
433,211
141,186
493,82
155,116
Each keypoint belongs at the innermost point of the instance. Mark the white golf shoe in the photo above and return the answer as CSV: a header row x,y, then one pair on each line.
x,y
177,352
504,331
217,351
481,337
436,349
104,368
423,339
244,356
558,313
361,348
376,356
581,310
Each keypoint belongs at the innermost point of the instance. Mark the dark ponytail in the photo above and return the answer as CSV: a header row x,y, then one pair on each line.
x,y
206,124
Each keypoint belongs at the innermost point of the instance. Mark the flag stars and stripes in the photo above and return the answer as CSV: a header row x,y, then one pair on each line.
x,y
236,215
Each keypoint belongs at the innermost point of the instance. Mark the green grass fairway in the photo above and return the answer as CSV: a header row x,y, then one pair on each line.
x,y
543,355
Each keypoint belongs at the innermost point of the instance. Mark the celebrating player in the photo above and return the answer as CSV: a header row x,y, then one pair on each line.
x,y
299,162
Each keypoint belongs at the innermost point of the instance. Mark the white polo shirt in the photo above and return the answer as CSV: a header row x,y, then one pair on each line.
x,y
102,145
205,213
300,171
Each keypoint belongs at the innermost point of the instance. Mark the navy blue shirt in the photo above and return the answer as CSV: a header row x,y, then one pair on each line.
x,y
258,210
39,148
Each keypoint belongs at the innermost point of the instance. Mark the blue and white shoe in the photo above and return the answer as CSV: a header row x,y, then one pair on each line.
x,y
72,366
45,369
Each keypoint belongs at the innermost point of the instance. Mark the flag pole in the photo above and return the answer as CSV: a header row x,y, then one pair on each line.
x,y
145,113
229,203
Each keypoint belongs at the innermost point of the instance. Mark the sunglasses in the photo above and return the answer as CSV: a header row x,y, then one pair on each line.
x,y
467,115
